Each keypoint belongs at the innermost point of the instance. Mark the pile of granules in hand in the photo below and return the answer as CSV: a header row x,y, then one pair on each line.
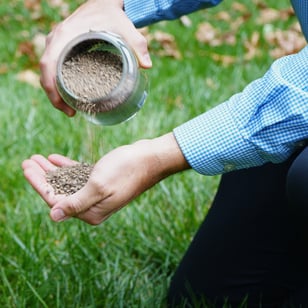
x,y
69,179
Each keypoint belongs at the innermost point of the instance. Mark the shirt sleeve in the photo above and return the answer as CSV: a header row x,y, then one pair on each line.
x,y
146,12
266,122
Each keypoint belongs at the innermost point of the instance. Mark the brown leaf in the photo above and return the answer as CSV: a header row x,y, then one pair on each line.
x,y
34,6
29,77
206,33
3,69
237,23
223,16
285,42
167,44
270,15
38,43
61,5
252,46
239,7
27,48
225,60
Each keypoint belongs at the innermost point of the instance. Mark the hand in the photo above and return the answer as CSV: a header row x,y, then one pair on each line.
x,y
93,15
117,178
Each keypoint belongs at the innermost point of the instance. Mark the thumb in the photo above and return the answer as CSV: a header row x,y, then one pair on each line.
x,y
72,205
144,58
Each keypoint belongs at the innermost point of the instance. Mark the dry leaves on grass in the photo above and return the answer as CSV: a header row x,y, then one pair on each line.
x,y
30,77
285,42
280,42
165,42
35,7
270,15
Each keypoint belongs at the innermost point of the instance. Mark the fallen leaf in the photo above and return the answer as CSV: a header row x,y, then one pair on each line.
x,y
29,77
252,46
34,7
26,48
3,69
61,5
223,16
167,44
239,7
225,60
206,33
285,42
38,42
270,15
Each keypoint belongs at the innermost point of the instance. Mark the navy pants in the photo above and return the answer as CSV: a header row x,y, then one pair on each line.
x,y
252,248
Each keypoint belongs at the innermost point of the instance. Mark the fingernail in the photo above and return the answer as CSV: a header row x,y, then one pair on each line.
x,y
147,60
57,215
70,112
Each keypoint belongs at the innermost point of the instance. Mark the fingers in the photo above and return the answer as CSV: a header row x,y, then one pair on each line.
x,y
60,160
48,83
96,16
39,163
142,53
35,172
81,204
136,41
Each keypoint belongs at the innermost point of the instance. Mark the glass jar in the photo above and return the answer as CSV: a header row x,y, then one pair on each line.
x,y
123,100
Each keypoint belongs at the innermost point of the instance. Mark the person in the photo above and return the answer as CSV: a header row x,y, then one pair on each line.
x,y
252,247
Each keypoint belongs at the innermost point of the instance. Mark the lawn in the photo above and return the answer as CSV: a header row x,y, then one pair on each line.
x,y
128,260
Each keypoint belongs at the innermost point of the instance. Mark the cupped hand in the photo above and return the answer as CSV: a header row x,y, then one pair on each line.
x,y
95,15
35,170
117,178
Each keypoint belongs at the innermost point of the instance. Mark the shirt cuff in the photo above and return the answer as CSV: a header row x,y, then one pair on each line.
x,y
146,12
141,14
212,143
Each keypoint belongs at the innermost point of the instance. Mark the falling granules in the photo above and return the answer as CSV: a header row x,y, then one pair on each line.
x,y
91,77
69,179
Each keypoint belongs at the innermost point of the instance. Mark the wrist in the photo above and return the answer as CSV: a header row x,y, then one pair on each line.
x,y
166,156
118,3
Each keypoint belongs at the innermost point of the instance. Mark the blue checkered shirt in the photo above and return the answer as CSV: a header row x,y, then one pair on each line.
x,y
266,122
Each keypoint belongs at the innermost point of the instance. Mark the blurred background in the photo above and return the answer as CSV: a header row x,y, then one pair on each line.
x,y
199,61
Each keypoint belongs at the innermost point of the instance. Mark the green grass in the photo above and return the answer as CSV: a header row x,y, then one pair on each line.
x,y
128,260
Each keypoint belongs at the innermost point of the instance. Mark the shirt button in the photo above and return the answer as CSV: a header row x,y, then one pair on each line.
x,y
300,144
229,167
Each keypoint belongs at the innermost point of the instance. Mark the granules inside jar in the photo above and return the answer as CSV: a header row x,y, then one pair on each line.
x,y
98,75
91,76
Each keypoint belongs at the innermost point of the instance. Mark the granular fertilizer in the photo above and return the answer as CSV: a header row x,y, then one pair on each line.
x,y
69,179
91,76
